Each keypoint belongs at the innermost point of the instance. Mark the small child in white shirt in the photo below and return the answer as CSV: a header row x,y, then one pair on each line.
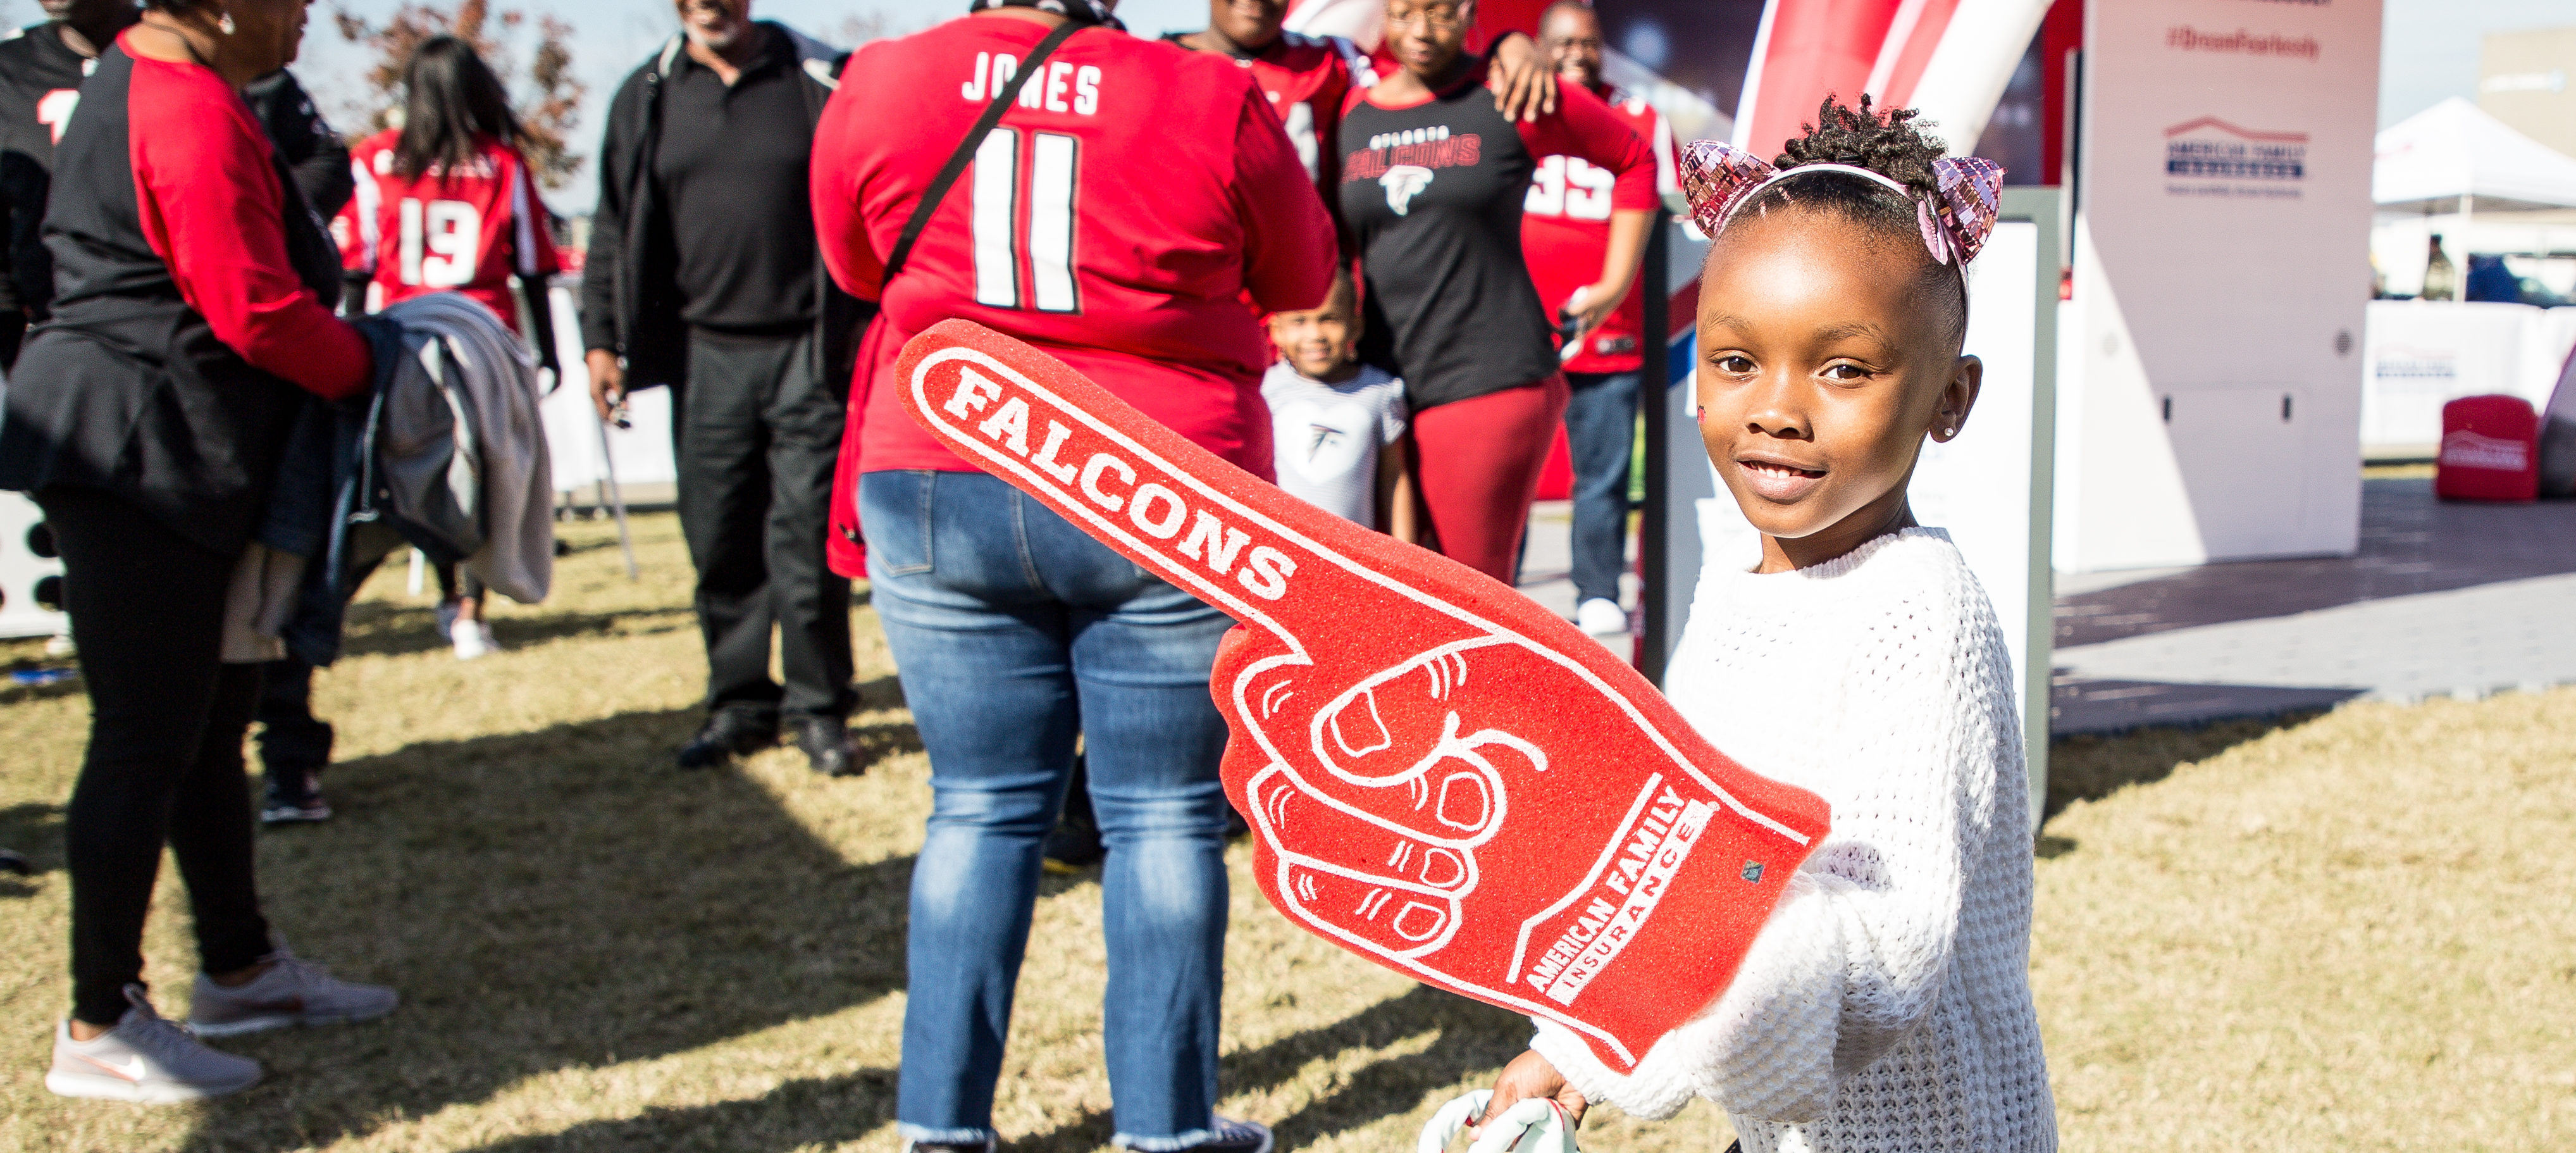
x,y
1336,423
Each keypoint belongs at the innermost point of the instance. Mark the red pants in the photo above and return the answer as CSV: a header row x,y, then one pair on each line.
x,y
1478,465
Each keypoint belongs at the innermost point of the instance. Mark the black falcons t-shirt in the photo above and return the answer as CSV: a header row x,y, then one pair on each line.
x,y
40,83
1434,194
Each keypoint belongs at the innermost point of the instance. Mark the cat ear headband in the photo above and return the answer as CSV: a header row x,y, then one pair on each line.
x,y
1956,219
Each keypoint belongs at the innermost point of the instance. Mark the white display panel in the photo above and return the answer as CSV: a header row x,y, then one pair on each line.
x,y
2211,403
2420,354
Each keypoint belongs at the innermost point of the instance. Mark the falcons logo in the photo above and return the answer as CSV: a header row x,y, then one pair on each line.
x,y
1401,183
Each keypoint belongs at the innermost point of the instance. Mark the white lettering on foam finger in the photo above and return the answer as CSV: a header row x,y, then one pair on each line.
x,y
1101,462
1160,528
1009,425
1156,509
1057,434
1221,540
1265,574
1653,854
974,391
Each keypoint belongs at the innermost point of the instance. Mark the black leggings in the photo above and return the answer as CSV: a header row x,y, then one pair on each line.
x,y
165,746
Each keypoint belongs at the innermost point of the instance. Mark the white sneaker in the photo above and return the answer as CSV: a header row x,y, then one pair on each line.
x,y
145,1059
474,639
293,991
1600,616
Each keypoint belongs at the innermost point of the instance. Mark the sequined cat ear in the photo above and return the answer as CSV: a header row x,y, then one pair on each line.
x,y
1716,178
1961,213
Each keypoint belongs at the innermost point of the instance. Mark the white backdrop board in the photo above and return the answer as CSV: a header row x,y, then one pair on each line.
x,y
2212,391
2421,353
1990,486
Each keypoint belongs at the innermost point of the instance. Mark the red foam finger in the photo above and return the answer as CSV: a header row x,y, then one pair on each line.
x,y
1441,776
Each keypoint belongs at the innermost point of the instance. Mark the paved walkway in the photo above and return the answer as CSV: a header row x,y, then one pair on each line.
x,y
2443,599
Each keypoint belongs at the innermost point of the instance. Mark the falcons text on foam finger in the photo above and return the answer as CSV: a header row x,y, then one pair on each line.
x,y
1155,509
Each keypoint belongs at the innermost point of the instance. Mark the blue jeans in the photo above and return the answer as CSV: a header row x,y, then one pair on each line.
x,y
1600,436
1013,631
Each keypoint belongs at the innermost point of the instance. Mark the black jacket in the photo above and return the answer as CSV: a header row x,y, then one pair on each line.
x,y
630,304
315,153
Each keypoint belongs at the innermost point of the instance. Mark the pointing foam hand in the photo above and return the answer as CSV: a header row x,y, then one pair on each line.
x,y
1441,776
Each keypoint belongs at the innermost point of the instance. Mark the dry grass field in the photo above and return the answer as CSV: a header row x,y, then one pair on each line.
x,y
2347,932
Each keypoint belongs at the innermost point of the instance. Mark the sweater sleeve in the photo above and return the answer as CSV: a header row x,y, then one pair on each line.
x,y
1855,955
1584,126
212,210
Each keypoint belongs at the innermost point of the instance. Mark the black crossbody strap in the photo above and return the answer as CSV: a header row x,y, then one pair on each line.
x,y
957,161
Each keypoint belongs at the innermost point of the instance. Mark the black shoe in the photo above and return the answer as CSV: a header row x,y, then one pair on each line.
x,y
1074,845
1232,1136
826,741
728,734
294,797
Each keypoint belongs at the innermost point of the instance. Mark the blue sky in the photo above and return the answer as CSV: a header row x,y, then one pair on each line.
x,y
2429,47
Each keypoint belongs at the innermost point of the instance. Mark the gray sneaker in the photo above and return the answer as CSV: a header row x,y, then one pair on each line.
x,y
293,991
145,1059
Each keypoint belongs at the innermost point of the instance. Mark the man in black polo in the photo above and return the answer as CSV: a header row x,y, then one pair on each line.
x,y
703,276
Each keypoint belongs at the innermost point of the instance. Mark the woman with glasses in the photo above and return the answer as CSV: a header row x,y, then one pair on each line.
x,y
1433,179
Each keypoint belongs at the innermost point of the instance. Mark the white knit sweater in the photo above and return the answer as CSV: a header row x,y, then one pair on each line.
x,y
1886,1004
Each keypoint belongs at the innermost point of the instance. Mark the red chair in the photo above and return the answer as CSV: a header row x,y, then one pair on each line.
x,y
2490,450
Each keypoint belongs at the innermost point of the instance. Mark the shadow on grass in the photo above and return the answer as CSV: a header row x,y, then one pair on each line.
x,y
811,1113
2089,768
383,628
35,832
1471,1038
549,900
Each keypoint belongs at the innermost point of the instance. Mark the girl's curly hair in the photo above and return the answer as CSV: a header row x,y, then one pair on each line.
x,y
1890,143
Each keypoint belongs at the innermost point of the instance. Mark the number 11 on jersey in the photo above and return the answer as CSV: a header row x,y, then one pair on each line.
x,y
1048,242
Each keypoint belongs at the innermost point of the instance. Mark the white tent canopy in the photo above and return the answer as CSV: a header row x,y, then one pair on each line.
x,y
2435,158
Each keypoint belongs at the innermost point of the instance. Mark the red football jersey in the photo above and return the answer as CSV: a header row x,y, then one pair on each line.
x,y
1565,229
1116,218
470,231
1307,78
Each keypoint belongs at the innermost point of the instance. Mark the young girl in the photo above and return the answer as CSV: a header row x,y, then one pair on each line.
x,y
447,202
1886,1003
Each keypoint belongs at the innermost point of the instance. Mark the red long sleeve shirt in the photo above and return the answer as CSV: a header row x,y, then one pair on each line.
x,y
211,207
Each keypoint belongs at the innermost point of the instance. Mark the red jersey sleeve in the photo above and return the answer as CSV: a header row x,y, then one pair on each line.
x,y
212,210
839,227
532,240
1584,126
1288,245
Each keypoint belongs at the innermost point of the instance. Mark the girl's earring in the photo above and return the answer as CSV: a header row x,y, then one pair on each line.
x,y
225,23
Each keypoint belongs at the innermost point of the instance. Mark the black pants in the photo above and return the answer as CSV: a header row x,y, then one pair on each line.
x,y
165,746
759,434
292,741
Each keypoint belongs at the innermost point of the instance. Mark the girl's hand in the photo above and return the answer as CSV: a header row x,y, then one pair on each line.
x,y
1529,1075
